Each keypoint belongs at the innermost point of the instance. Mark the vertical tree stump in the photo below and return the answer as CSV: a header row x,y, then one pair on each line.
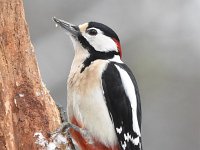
x,y
25,104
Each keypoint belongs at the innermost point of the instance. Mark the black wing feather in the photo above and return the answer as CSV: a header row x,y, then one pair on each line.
x,y
119,105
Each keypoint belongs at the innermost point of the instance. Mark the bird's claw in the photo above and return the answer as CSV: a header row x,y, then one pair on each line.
x,y
64,129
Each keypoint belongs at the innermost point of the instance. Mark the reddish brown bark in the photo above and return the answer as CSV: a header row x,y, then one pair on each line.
x,y
25,104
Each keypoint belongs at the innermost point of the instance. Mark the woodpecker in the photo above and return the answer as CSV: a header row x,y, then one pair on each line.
x,y
102,93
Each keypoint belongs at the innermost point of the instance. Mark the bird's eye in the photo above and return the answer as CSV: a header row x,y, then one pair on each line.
x,y
92,32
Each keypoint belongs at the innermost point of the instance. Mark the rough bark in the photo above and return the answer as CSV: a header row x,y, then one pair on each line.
x,y
25,104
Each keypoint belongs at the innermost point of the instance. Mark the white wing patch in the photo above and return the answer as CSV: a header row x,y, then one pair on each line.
x,y
129,89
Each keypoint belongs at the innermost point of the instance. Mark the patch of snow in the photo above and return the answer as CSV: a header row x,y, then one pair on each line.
x,y
60,139
32,49
56,141
17,83
40,139
21,95
37,93
43,85
51,146
15,101
7,107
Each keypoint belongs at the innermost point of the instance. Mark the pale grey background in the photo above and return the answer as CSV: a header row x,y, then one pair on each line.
x,y
160,41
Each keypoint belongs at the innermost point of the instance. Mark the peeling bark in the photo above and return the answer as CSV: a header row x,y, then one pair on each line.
x,y
25,104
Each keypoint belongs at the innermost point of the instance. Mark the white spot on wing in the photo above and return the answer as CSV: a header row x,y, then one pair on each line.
x,y
128,138
130,91
123,145
136,141
119,130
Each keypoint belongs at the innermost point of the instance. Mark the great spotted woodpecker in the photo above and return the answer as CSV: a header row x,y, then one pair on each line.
x,y
102,93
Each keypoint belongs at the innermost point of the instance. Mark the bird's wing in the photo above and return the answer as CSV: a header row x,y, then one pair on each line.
x,y
123,101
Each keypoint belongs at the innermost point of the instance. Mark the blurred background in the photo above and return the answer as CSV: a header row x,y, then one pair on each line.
x,y
160,42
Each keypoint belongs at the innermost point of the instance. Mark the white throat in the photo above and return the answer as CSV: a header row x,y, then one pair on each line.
x,y
80,54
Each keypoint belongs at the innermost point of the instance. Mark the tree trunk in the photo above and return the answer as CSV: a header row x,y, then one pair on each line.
x,y
25,104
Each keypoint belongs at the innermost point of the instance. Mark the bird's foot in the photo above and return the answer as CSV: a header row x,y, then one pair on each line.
x,y
64,129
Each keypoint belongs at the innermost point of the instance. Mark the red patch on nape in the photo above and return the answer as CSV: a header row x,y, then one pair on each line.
x,y
118,47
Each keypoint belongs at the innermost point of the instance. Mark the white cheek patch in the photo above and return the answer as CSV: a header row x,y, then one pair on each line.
x,y
101,42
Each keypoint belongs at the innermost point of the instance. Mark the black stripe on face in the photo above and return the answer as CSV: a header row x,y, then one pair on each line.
x,y
94,55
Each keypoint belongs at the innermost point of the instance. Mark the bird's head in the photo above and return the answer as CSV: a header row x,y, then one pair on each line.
x,y
96,38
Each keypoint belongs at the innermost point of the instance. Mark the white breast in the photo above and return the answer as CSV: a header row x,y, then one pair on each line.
x,y
87,104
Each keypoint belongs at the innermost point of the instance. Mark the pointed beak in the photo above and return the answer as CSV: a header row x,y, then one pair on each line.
x,y
72,29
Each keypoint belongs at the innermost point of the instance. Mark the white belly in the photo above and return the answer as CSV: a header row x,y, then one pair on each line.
x,y
87,104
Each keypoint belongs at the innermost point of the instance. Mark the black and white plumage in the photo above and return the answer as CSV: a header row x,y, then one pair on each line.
x,y
103,96
123,102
